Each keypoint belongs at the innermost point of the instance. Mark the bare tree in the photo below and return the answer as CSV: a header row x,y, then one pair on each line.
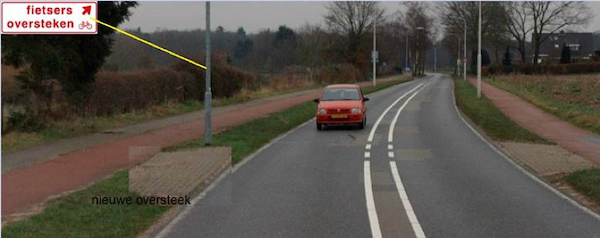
x,y
518,21
351,22
422,31
550,17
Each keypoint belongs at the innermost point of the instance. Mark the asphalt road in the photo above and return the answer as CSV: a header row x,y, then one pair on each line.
x,y
429,175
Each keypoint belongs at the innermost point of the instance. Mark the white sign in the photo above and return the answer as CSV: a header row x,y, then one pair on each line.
x,y
49,17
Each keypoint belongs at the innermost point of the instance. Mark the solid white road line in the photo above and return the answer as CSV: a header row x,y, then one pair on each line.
x,y
511,161
393,124
412,217
373,220
367,154
370,139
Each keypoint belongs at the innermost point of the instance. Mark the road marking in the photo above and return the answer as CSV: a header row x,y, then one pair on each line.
x,y
390,147
367,154
368,147
370,138
511,161
372,212
393,124
391,154
412,217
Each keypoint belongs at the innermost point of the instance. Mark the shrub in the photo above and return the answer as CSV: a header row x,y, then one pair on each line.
x,y
339,73
130,91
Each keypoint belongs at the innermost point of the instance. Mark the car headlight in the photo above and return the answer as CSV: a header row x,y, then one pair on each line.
x,y
322,111
355,110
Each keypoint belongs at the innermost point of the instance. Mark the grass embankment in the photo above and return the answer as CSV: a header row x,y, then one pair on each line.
x,y
573,98
483,112
74,215
587,182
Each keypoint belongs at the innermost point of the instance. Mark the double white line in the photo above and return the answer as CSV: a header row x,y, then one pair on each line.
x,y
371,209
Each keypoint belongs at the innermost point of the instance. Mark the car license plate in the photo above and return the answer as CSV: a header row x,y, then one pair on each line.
x,y
339,116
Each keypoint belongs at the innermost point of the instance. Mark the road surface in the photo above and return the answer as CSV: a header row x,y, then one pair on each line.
x,y
421,171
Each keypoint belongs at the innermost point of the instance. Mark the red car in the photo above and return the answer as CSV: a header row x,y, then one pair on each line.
x,y
341,104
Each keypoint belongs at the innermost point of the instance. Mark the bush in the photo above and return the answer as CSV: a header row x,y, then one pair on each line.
x,y
574,68
339,73
25,121
115,93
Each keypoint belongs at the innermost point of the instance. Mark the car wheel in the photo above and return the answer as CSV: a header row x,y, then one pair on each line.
x,y
319,126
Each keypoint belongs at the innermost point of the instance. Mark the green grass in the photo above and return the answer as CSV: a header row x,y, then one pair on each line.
x,y
572,98
74,215
483,112
586,182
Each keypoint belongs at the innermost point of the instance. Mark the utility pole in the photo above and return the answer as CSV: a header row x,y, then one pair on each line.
x,y
435,59
465,52
406,59
479,56
374,55
458,55
208,93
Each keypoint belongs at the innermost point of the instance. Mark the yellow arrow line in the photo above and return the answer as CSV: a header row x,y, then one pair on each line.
x,y
149,43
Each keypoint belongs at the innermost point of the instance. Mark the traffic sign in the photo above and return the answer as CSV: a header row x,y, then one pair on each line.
x,y
49,17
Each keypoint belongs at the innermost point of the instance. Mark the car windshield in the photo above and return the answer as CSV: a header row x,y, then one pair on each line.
x,y
334,94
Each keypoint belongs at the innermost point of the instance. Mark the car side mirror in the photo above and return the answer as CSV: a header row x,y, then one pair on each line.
x,y
316,100
365,99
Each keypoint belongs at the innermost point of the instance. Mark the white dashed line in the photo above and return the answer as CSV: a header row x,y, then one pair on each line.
x,y
368,147
391,154
386,111
373,219
393,124
390,147
412,217
367,154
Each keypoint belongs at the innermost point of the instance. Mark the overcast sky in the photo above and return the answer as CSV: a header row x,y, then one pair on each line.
x,y
253,16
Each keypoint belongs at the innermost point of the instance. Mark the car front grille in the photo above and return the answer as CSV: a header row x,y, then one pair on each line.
x,y
334,111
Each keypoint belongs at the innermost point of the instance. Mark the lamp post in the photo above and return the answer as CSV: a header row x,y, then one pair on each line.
x,y
479,56
465,51
208,93
374,54
457,53
418,28
406,59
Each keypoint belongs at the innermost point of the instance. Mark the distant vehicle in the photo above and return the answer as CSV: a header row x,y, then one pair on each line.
x,y
341,104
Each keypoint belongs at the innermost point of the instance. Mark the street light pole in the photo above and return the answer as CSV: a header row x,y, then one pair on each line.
x,y
208,93
479,56
406,59
374,55
465,52
458,55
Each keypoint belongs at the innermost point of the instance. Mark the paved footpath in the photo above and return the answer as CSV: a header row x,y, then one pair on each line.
x,y
549,127
31,182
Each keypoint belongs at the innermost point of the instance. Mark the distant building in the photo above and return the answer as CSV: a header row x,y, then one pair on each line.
x,y
582,45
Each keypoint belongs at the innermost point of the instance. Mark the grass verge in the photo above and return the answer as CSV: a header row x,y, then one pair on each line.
x,y
483,112
586,182
572,98
74,215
